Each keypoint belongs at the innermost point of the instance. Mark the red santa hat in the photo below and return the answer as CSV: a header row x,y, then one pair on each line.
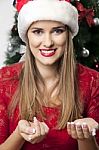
x,y
55,10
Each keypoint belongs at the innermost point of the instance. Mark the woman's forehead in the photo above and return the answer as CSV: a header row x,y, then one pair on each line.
x,y
44,23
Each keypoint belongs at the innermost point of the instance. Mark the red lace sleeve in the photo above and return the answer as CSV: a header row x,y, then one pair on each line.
x,y
8,83
4,126
93,104
89,87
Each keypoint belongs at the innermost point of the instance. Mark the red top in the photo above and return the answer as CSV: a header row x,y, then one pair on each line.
x,y
56,139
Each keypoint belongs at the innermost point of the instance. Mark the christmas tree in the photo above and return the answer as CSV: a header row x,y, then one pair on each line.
x,y
86,43
15,46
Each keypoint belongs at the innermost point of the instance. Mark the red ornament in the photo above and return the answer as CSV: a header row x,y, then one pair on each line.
x,y
84,13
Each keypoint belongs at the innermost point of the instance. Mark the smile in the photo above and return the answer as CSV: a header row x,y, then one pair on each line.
x,y
47,52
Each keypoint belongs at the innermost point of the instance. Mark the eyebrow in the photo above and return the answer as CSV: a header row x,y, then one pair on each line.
x,y
59,27
52,28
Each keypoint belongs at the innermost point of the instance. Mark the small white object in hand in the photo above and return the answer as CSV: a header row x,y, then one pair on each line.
x,y
93,132
34,131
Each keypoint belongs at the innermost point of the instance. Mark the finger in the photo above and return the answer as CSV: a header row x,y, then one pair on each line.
x,y
30,130
37,127
27,129
38,139
23,126
79,131
97,127
45,127
73,131
69,128
29,138
34,138
42,129
86,131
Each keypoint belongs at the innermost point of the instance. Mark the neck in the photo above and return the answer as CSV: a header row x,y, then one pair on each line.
x,y
50,77
48,72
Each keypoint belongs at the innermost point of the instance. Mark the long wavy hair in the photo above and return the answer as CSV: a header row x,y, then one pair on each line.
x,y
31,99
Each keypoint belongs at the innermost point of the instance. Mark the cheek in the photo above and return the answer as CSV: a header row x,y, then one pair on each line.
x,y
34,42
61,41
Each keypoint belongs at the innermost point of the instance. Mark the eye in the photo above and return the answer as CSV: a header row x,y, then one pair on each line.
x,y
58,31
37,32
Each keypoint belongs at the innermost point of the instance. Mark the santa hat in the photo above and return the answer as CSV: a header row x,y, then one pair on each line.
x,y
55,10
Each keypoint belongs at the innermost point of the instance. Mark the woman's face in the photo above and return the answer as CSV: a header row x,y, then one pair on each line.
x,y
47,41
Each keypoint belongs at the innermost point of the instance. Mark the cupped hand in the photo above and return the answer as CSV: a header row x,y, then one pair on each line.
x,y
33,132
82,128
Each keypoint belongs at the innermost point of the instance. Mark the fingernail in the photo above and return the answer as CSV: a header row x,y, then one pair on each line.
x,y
78,124
84,125
68,123
72,123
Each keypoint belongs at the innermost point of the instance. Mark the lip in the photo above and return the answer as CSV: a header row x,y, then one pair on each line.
x,y
48,52
47,49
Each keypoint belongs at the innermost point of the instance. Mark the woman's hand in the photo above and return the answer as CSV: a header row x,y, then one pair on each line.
x,y
82,128
33,132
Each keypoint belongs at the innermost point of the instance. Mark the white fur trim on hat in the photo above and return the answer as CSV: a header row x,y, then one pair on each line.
x,y
54,10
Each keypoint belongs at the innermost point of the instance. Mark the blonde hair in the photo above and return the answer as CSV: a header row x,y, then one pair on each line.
x,y
28,95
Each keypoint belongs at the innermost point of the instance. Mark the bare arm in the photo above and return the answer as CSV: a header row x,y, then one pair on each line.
x,y
88,144
13,142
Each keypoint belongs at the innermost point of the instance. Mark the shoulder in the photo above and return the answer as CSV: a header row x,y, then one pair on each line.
x,y
11,71
88,83
9,80
86,73
88,79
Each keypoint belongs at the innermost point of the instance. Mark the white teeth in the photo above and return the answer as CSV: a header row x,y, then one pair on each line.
x,y
47,52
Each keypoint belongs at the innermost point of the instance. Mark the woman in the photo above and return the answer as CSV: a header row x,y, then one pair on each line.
x,y
48,101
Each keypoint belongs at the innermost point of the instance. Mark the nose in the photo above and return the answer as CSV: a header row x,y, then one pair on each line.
x,y
48,41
